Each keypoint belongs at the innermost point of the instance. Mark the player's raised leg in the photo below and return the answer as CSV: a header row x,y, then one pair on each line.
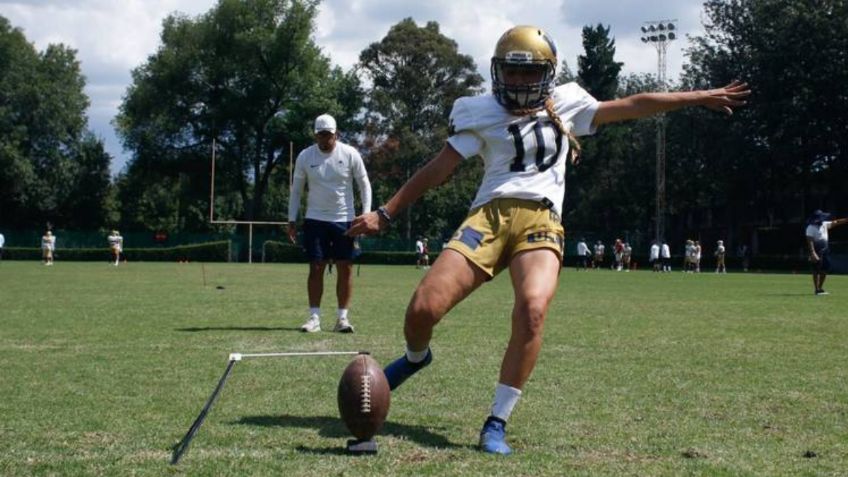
x,y
448,282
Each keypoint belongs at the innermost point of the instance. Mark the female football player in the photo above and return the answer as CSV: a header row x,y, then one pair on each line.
x,y
720,253
524,131
48,246
116,245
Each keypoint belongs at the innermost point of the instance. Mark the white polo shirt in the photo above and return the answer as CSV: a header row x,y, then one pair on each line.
x,y
330,177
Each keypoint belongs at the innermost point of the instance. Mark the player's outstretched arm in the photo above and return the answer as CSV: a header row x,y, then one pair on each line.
x,y
648,104
431,175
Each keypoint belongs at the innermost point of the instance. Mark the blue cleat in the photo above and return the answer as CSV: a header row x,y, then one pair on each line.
x,y
493,437
400,369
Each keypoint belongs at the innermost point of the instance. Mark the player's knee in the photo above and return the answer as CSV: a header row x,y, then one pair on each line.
x,y
530,316
423,310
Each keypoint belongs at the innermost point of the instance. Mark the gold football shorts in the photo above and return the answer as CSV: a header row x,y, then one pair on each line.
x,y
495,232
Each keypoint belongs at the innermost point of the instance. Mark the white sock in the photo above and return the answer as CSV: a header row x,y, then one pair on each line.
x,y
416,356
506,397
342,313
315,312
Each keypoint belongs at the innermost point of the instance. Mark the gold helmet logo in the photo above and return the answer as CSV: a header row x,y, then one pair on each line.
x,y
523,68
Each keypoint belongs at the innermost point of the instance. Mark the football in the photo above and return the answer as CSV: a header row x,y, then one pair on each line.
x,y
363,397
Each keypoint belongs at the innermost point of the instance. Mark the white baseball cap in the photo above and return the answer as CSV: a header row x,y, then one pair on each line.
x,y
325,122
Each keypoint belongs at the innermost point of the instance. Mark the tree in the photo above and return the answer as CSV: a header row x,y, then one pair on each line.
x,y
248,75
49,163
783,154
600,191
89,204
598,70
565,75
416,74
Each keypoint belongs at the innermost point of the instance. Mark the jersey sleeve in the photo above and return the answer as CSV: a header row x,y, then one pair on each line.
x,y
463,137
575,105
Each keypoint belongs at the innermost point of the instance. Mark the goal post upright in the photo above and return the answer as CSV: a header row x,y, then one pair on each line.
x,y
249,223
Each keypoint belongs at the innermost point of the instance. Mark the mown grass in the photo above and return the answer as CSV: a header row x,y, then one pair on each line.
x,y
104,369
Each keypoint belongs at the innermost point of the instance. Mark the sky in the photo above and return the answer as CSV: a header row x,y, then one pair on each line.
x,y
113,37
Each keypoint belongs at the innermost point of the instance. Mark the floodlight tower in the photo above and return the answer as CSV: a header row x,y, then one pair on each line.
x,y
660,33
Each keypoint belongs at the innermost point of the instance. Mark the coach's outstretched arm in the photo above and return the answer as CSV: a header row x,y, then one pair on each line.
x,y
434,173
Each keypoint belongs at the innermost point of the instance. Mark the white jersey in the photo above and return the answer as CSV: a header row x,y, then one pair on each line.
x,y
2,240
582,249
116,241
655,252
523,156
419,246
48,242
330,177
665,251
720,251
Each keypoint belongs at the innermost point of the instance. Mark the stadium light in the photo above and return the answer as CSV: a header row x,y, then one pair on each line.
x,y
660,41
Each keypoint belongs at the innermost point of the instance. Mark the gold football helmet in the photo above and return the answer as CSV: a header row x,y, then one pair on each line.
x,y
529,51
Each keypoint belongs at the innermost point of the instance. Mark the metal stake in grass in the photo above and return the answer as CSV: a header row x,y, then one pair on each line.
x,y
182,446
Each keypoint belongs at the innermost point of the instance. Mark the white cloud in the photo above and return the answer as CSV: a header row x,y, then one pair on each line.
x,y
113,37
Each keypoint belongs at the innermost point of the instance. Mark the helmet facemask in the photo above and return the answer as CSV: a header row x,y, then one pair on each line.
x,y
524,95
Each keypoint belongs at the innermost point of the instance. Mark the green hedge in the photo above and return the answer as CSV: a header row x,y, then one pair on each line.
x,y
786,263
203,252
279,252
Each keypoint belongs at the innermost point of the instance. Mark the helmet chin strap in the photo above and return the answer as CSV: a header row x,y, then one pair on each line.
x,y
525,95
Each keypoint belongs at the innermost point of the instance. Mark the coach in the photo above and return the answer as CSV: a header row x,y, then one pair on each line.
x,y
330,168
817,243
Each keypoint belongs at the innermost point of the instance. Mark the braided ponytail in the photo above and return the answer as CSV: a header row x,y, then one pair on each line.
x,y
574,148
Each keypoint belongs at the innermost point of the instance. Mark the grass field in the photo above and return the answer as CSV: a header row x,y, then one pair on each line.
x,y
104,369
